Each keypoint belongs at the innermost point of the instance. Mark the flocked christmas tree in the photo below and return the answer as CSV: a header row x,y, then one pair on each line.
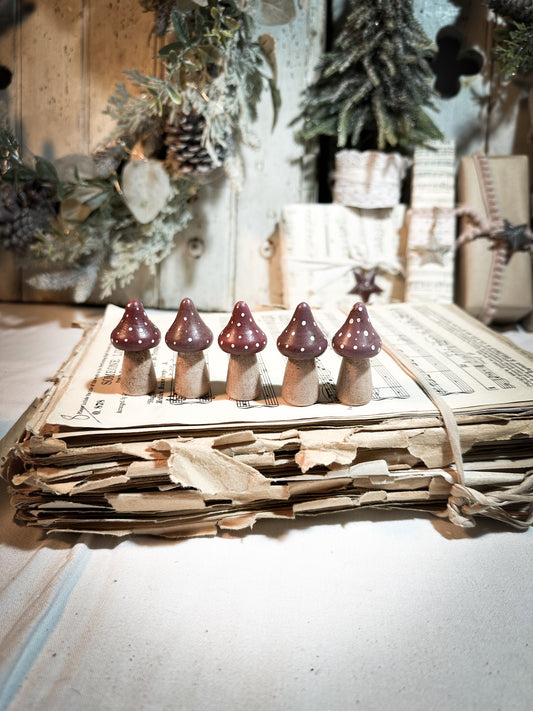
x,y
374,85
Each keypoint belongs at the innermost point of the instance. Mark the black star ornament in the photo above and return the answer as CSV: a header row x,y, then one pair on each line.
x,y
364,284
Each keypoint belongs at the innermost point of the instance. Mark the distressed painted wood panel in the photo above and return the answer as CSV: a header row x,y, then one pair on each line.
x,y
279,163
463,117
116,37
234,227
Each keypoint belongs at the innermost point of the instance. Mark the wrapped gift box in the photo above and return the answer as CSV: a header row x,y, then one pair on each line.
x,y
510,177
430,261
321,245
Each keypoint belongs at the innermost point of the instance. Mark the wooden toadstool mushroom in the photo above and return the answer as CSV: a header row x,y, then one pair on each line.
x,y
301,341
189,337
135,334
242,339
357,342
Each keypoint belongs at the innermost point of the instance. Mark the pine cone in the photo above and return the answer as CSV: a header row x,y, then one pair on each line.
x,y
185,152
24,214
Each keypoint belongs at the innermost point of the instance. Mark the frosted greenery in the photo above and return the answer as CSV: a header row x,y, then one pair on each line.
x,y
372,88
213,67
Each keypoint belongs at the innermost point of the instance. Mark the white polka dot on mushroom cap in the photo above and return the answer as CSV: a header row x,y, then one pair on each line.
x,y
303,323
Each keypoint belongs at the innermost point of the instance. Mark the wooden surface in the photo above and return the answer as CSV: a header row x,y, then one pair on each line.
x,y
66,59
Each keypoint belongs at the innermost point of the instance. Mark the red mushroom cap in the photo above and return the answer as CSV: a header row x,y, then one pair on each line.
x,y
242,336
188,332
135,331
302,339
356,338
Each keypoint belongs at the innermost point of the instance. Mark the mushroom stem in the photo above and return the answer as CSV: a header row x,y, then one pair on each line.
x,y
138,373
300,382
243,381
354,382
192,377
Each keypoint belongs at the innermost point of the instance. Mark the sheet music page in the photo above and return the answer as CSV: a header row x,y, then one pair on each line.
x,y
469,365
93,397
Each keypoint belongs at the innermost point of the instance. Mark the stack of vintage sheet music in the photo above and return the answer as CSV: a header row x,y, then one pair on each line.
x,y
449,430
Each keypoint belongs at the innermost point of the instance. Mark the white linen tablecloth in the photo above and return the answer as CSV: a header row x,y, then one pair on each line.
x,y
375,610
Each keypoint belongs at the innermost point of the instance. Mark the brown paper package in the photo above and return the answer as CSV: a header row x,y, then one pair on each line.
x,y
511,179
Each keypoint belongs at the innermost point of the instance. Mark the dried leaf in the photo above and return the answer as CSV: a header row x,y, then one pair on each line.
x,y
267,45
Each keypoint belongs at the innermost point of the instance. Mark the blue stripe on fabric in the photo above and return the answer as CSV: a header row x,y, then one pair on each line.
x,y
12,678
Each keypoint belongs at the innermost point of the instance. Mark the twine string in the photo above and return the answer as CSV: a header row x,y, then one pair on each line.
x,y
465,502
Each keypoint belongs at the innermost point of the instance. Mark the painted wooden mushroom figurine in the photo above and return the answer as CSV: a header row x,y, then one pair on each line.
x,y
135,334
189,336
242,339
356,341
302,341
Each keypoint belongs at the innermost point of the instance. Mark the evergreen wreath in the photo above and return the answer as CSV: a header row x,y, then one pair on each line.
x,y
190,123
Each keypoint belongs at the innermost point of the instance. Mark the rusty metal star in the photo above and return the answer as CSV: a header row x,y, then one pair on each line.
x,y
516,237
364,284
432,253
